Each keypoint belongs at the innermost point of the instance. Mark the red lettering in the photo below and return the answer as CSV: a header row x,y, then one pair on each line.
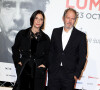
x,y
85,4
81,7
67,4
95,4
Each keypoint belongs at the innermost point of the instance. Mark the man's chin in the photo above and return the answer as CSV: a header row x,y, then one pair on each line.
x,y
68,27
12,34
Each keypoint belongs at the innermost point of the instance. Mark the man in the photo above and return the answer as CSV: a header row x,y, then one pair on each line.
x,y
14,16
67,54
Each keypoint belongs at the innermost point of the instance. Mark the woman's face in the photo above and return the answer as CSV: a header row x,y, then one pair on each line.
x,y
38,21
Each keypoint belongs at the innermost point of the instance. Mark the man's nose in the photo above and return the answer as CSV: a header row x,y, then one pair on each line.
x,y
70,20
18,19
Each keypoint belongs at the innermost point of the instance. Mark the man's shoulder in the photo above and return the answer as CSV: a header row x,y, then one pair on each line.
x,y
58,28
79,32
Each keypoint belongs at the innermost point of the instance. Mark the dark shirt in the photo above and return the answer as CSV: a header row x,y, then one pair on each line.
x,y
34,43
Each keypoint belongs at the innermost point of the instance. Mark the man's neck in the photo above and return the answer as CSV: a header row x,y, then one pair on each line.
x,y
67,29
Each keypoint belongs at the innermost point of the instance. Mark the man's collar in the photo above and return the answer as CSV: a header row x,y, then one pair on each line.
x,y
70,30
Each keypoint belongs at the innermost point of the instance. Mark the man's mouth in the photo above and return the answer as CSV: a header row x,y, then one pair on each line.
x,y
69,23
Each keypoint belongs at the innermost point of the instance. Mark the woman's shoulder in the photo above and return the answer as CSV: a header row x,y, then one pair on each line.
x,y
45,36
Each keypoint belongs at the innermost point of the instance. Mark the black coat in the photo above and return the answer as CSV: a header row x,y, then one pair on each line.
x,y
22,52
73,56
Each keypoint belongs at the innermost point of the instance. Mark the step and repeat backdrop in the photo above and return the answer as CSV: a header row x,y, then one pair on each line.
x,y
15,15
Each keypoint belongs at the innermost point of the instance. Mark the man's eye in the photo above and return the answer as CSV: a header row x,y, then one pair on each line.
x,y
67,17
73,18
26,6
9,4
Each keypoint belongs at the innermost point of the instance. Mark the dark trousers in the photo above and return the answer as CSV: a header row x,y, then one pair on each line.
x,y
61,80
18,69
32,79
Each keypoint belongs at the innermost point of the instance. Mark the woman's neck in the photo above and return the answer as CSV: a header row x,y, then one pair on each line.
x,y
35,30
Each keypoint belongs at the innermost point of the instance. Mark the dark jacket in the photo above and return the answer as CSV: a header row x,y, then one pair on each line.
x,y
21,48
21,51
73,56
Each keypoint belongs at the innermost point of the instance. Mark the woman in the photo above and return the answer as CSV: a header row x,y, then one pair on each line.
x,y
30,54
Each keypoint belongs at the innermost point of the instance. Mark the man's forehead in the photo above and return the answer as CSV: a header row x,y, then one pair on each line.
x,y
19,1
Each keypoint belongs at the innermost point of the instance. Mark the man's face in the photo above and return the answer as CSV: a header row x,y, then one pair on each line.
x,y
69,19
15,15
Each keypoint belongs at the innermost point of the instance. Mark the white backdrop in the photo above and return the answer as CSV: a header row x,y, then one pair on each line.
x,y
7,72
88,22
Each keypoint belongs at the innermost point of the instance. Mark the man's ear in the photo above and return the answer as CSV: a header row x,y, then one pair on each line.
x,y
63,18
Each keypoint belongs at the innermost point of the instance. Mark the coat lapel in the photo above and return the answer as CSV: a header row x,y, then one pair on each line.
x,y
60,38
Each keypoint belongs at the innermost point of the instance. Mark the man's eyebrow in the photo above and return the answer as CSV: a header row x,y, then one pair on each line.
x,y
26,3
13,3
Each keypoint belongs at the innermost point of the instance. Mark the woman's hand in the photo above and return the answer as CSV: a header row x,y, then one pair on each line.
x,y
43,66
20,63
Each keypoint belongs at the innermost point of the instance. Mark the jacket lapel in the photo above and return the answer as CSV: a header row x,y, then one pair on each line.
x,y
71,39
60,38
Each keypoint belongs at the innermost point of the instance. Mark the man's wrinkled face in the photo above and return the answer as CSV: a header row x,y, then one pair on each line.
x,y
15,15
69,19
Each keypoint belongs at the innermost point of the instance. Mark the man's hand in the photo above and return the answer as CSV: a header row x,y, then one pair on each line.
x,y
75,81
75,78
